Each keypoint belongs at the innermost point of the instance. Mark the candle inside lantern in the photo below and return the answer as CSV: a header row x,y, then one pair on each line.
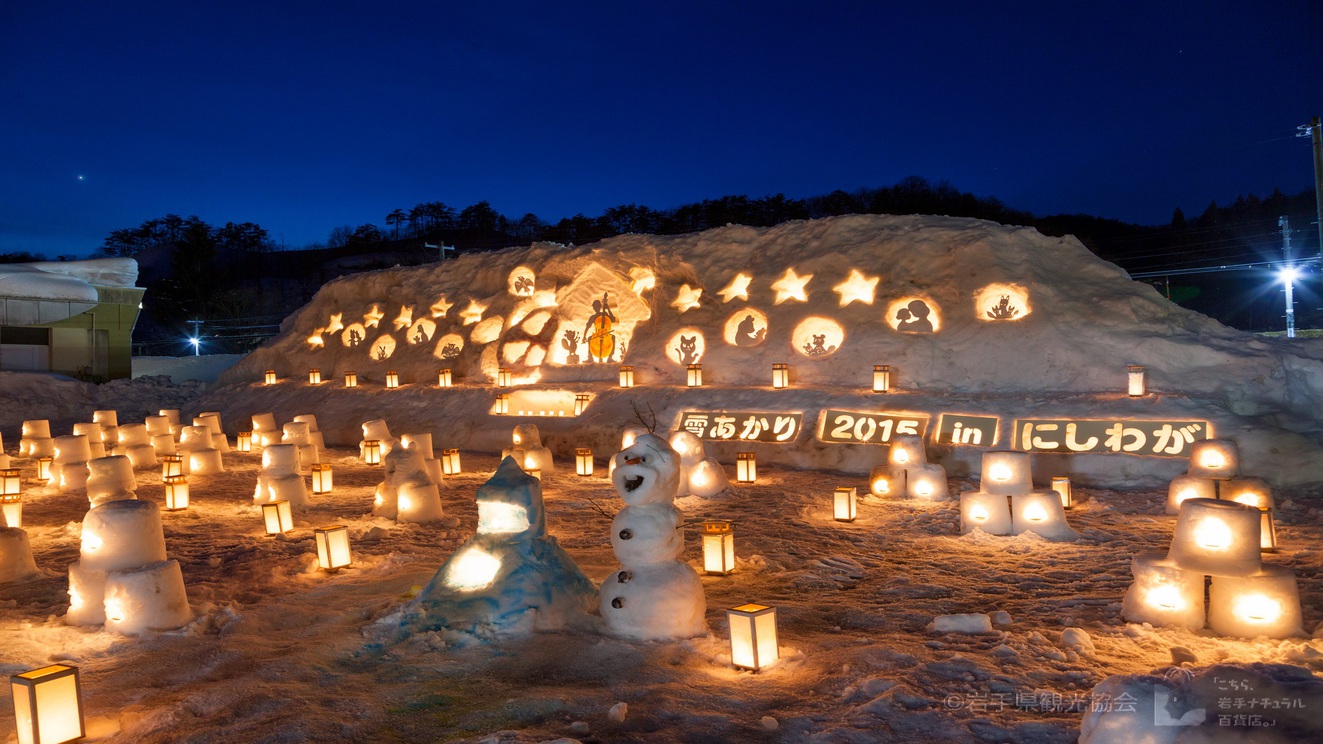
x,y
753,643
746,467
926,481
314,376
695,375
1006,473
270,377
277,516
1040,512
392,378
881,378
332,547
176,492
885,480
450,462
1135,377
583,461
1061,484
780,376
444,378
372,451
1250,491
626,376
844,504
718,548
48,705
322,481
351,379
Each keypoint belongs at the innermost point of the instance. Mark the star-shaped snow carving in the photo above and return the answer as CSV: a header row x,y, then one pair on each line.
x,y
791,287
858,288
737,289
687,298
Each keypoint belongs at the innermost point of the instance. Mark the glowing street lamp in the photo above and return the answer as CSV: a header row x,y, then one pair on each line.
x,y
1288,275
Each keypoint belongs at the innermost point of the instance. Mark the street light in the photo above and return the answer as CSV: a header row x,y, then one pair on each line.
x,y
1288,275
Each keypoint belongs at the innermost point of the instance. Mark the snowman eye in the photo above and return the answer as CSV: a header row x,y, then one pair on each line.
x,y
624,576
617,603
626,534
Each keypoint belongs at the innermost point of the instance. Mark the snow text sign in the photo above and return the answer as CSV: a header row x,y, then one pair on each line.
x,y
867,427
961,429
1159,438
744,426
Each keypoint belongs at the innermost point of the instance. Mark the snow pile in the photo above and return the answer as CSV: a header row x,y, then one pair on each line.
x,y
64,401
107,272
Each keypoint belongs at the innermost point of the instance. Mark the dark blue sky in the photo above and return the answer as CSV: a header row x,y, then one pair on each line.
x,y
302,117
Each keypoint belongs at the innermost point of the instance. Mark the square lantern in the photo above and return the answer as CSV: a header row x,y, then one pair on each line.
x,y
718,548
752,636
314,377
583,461
372,451
1214,458
503,377
171,465
10,482
278,516
626,376
392,378
351,379
1185,487
780,376
445,378
270,377
332,547
694,376
48,705
1267,531
881,378
244,441
321,478
581,403
1135,376
1061,484
450,462
11,506
502,405
44,468
844,504
1264,603
1217,538
176,493
746,467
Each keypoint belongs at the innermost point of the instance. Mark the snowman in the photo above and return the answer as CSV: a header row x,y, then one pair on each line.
x,y
652,596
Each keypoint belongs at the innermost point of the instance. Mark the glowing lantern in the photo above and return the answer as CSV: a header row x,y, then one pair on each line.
x,y
171,465
44,468
1006,473
1185,487
583,461
351,379
581,403
535,472
450,462
780,376
626,376
176,493
906,451
695,375
1040,512
885,480
392,378
48,705
244,441
472,570
1135,375
321,478
503,377
372,451
502,405
881,378
1267,531
1163,593
746,468
1251,491
718,548
314,377
752,636
1217,538
1214,458
926,481
11,508
332,547
986,511
278,516
1264,603
10,483
1061,484
444,378
270,377
844,503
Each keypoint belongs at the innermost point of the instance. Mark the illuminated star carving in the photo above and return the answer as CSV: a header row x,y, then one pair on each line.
x,y
372,318
687,298
738,288
473,313
405,318
335,326
791,287
643,279
857,287
440,307
316,338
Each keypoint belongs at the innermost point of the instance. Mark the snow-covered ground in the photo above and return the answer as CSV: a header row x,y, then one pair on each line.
x,y
205,368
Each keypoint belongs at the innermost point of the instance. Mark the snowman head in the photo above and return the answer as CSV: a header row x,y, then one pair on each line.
x,y
647,472
526,436
510,504
647,534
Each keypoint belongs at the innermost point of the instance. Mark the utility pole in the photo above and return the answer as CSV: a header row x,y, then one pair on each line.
x,y
1288,275
1315,130
440,249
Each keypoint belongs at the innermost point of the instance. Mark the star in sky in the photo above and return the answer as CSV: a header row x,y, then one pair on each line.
x,y
857,288
687,298
791,287
738,288
440,307
372,318
473,313
405,318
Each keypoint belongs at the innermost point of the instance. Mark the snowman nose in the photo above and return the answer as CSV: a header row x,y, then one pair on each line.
x,y
633,460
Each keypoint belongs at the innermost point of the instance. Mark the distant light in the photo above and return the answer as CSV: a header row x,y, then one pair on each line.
x,y
194,341
1288,273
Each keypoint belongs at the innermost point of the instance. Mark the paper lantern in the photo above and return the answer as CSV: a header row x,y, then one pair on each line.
x,y
351,379
695,375
906,451
502,405
44,468
278,516
321,478
1163,593
445,378
11,506
244,441
450,462
392,378
332,547
583,461
926,481
176,492
718,548
1251,491
1217,538
171,465
372,451
1135,375
48,705
1264,603
986,511
1061,484
314,377
881,378
780,376
626,376
1185,487
270,377
1214,458
844,503
885,480
1040,512
10,482
746,467
1006,473
581,403
752,636
503,377
1267,531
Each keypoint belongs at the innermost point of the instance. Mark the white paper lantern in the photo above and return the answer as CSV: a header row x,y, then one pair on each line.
x,y
753,642
332,547
746,467
314,376
277,517
718,548
48,705
626,376
1061,484
881,378
1135,380
844,508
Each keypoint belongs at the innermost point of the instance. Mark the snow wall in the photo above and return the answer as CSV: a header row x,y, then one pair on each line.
x,y
996,337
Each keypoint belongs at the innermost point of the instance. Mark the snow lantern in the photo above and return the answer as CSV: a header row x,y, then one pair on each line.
x,y
265,431
1061,484
1006,473
1264,603
535,472
48,705
44,468
372,451
926,481
694,375
1217,538
171,465
351,379
450,461
176,492
746,467
503,377
321,478
1214,458
270,377
502,405
314,376
445,378
332,547
844,504
1251,491
93,431
1135,377
1163,593
171,415
626,376
202,457
392,378
752,636
1185,487
16,561
987,511
718,548
36,440
278,516
1040,512
885,480
121,534
136,442
881,378
1267,531
243,442
780,376
146,597
583,461
906,451
72,454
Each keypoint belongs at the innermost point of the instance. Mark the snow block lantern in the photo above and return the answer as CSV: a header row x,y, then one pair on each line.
x,y
280,479
1185,487
212,420
753,642
297,434
408,493
110,479
986,511
1217,538
48,705
148,597
200,456
1163,593
927,482
1249,491
1041,512
265,430
527,449
906,450
1264,603
93,432
885,480
1006,473
69,468
16,561
700,475
332,547
1218,459
718,548
36,440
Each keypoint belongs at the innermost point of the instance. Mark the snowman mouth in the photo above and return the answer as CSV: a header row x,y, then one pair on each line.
x,y
633,482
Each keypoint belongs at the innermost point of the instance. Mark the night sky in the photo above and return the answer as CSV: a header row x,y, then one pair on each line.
x,y
302,117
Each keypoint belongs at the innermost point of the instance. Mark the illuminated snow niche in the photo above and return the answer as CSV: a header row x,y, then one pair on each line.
x,y
748,327
817,337
556,403
354,335
474,569
382,348
1001,302
522,281
913,315
495,517
686,346
487,331
421,331
449,346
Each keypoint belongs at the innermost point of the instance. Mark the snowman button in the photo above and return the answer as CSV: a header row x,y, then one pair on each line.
x,y
624,576
617,603
626,534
